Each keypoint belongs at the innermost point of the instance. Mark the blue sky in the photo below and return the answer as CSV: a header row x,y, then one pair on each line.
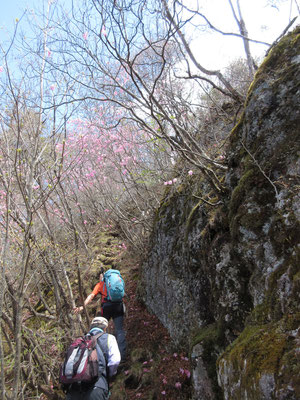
x,y
263,22
10,10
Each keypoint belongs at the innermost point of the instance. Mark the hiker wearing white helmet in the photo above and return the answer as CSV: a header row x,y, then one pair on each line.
x,y
108,359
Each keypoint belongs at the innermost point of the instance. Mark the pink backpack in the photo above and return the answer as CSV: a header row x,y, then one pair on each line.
x,y
81,361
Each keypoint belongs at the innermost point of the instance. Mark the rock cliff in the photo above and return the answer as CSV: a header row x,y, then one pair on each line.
x,y
225,279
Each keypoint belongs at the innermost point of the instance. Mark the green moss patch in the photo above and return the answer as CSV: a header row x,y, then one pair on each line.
x,y
257,350
211,337
278,60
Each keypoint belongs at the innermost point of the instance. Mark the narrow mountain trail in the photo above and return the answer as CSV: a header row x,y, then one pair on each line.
x,y
153,369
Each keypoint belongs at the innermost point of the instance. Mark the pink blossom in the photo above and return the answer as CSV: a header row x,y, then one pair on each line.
x,y
187,372
181,371
178,385
85,35
190,172
175,355
170,182
166,183
164,381
163,392
174,180
1,68
85,222
52,87
103,31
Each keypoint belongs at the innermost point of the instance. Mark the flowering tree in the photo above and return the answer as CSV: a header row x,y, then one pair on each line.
x,y
58,179
113,175
28,266
137,59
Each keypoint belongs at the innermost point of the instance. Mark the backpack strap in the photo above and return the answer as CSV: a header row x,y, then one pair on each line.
x,y
103,352
102,292
95,338
94,345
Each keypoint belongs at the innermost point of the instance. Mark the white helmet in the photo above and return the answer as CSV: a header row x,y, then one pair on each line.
x,y
100,321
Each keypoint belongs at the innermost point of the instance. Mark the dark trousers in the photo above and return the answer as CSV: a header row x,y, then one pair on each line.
x,y
94,393
116,312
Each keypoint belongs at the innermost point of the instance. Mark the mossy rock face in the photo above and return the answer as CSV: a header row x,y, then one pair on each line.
x,y
264,172
206,347
263,363
270,120
169,289
236,265
264,222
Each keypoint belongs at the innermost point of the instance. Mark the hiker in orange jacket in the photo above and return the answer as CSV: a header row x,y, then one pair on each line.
x,y
109,309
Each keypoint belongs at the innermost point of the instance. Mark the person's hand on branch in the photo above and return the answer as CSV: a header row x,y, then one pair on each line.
x,y
77,310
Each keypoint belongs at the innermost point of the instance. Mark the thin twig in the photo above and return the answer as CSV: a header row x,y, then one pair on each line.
x,y
281,35
259,167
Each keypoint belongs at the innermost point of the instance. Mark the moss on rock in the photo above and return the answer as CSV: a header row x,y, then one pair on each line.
x,y
263,350
211,338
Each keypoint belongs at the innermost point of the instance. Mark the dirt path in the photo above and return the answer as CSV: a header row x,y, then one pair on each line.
x,y
153,369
